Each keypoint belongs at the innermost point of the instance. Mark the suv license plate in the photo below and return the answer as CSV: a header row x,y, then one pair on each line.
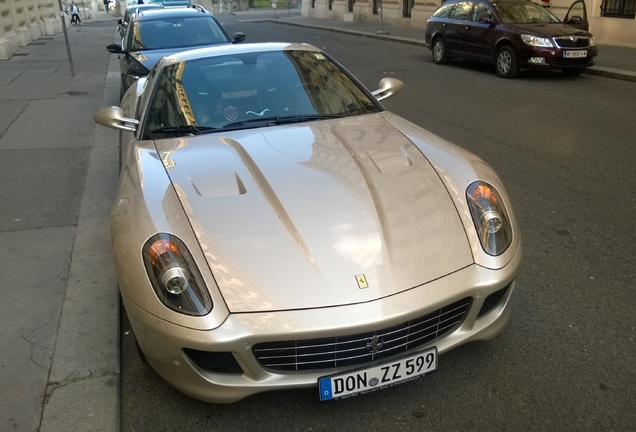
x,y
575,54
378,377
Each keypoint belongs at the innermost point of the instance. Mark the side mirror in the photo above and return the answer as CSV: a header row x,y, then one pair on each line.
x,y
388,87
575,20
115,49
239,37
119,21
113,117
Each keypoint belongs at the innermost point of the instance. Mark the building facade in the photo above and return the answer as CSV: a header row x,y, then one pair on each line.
x,y
22,21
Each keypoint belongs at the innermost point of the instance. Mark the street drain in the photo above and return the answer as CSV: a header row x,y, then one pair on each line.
x,y
76,93
17,54
37,43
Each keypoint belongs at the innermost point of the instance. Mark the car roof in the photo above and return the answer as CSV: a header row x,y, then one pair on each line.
x,y
172,12
146,6
219,50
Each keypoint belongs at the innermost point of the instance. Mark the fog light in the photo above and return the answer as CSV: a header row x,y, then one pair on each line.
x,y
536,60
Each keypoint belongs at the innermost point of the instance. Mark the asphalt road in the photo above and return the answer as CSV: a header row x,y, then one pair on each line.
x,y
567,360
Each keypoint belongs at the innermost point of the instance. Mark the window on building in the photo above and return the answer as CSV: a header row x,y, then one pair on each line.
x,y
618,8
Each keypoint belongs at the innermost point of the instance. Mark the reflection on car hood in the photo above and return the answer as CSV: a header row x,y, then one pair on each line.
x,y
550,30
149,58
318,214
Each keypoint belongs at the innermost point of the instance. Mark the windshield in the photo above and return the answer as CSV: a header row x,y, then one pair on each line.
x,y
524,13
241,91
176,33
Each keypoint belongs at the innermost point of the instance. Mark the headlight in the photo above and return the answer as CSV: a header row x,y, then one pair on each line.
x,y
592,41
536,41
490,217
175,277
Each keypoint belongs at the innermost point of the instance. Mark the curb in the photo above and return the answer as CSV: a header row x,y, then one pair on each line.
x,y
378,35
611,73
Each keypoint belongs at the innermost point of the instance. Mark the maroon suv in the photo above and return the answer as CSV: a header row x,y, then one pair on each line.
x,y
512,34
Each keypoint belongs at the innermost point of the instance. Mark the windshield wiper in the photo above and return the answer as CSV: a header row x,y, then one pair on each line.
x,y
278,120
191,129
306,117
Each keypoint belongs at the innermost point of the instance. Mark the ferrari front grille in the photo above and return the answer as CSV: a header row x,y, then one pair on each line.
x,y
358,349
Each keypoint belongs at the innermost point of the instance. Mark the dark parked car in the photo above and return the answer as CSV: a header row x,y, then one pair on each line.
x,y
512,34
155,33
131,11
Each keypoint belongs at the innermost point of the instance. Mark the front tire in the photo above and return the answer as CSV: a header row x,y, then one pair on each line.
x,y
506,62
438,51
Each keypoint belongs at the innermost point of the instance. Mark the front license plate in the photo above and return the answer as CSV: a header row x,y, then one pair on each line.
x,y
378,377
575,54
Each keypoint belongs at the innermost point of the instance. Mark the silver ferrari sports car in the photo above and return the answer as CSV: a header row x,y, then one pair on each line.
x,y
276,228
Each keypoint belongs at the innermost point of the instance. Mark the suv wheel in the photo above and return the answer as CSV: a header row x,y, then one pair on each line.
x,y
506,62
439,51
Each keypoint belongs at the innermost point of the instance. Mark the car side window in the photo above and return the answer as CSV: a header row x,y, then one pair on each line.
x,y
461,11
444,10
481,13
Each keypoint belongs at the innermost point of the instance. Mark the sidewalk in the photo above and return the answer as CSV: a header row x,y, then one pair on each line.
x,y
60,367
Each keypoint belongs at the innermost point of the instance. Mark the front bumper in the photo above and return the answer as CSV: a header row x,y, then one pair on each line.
x,y
553,58
163,343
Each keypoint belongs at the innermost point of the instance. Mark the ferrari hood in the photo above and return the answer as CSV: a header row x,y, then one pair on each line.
x,y
315,215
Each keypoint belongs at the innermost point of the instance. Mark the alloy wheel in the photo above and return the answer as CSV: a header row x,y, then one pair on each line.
x,y
439,51
506,63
